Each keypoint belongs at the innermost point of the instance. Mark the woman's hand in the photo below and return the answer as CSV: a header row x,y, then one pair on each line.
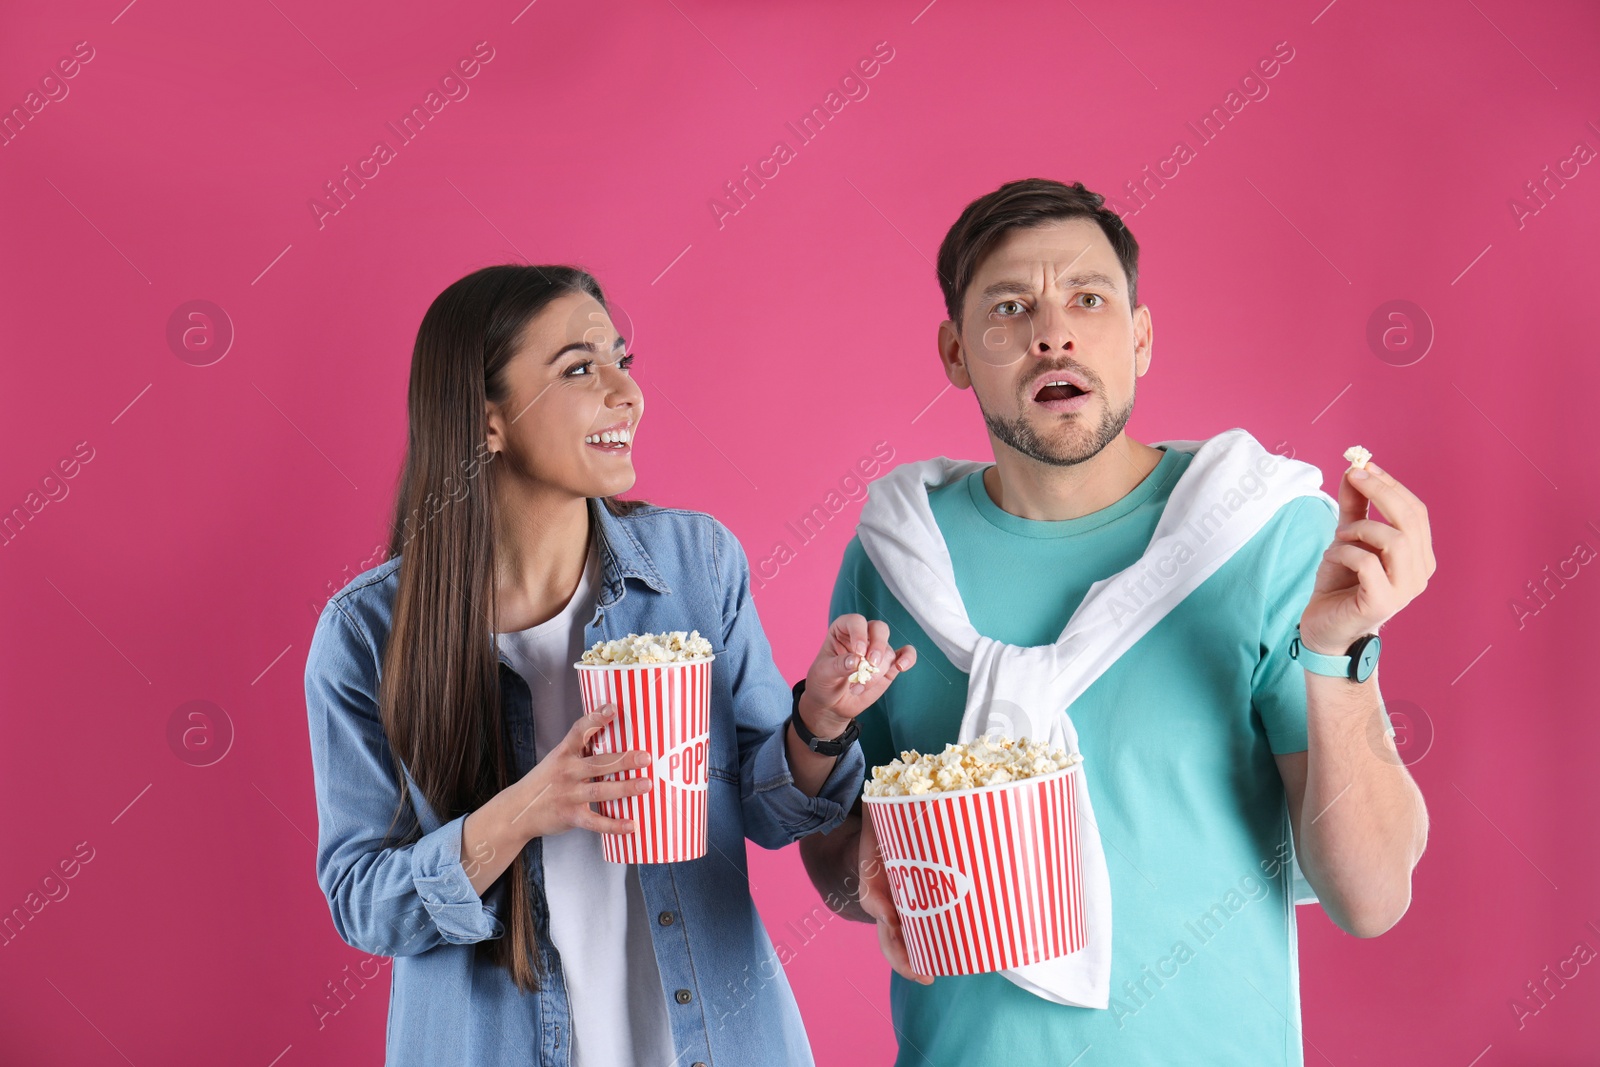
x,y
832,696
560,787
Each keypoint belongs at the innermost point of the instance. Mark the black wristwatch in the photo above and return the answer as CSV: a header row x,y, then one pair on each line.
x,y
835,747
1357,664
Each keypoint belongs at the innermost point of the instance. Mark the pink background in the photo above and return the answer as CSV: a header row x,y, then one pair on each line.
x,y
224,503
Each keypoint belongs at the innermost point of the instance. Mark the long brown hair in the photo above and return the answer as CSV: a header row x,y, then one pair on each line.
x,y
440,693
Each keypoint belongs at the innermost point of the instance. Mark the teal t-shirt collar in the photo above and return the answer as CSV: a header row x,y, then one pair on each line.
x,y
1164,471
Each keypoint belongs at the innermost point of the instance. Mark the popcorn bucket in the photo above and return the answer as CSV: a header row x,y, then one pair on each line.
x,y
663,709
985,879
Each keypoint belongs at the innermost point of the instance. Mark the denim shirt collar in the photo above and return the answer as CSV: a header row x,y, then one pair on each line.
x,y
621,556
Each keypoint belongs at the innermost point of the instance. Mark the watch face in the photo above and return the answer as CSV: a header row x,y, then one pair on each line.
x,y
1365,659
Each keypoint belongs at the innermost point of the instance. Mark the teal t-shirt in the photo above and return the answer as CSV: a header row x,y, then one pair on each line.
x,y
1178,739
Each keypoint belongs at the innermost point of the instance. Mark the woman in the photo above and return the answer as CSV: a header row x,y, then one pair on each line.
x,y
448,668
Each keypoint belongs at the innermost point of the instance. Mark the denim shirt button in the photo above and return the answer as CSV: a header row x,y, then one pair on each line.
x,y
684,996
666,918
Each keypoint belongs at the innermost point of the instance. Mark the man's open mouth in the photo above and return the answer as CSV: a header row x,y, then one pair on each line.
x,y
1057,386
1058,390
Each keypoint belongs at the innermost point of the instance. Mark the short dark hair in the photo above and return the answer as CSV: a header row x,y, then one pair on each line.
x,y
1015,206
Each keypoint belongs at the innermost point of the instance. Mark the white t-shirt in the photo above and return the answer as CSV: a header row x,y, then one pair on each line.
x,y
598,919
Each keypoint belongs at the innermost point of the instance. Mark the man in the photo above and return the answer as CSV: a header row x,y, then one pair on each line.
x,y
1220,764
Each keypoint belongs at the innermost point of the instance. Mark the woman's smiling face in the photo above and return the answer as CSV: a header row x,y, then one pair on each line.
x,y
572,407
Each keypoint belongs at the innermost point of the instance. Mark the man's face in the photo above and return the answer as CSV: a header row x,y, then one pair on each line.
x,y
1050,305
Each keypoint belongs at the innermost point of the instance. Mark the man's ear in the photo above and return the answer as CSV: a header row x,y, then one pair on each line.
x,y
1143,340
953,355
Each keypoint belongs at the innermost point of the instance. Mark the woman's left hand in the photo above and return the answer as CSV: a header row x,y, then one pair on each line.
x,y
832,696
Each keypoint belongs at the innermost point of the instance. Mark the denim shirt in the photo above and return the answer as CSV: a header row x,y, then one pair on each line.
x,y
727,998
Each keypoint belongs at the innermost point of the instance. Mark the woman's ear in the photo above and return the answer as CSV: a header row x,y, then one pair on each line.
x,y
496,427
953,356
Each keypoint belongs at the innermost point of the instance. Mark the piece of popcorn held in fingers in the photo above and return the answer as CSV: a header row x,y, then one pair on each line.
x,y
1357,457
863,672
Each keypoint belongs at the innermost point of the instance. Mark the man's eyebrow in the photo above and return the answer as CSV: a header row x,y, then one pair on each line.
x,y
1071,281
585,346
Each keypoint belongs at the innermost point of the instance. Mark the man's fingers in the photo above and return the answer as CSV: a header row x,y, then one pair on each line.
x,y
1352,501
876,903
1407,567
1399,505
1416,512
1379,535
1368,567
893,945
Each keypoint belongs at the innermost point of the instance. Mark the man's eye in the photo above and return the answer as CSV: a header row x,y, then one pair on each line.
x,y
1008,307
1094,296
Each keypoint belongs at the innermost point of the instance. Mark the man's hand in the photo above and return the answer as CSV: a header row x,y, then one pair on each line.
x,y
1373,568
831,698
1358,818
876,902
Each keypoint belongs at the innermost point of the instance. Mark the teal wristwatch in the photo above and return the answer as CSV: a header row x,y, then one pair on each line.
x,y
1357,664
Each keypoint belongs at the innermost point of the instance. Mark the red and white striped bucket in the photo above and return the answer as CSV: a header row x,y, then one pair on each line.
x,y
663,709
985,879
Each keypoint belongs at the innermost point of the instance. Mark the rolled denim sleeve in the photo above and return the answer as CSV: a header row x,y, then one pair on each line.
x,y
389,900
776,811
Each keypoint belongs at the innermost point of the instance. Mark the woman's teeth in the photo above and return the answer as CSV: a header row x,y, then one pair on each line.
x,y
616,438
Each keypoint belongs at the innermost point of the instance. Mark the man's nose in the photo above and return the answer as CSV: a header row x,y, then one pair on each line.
x,y
1051,331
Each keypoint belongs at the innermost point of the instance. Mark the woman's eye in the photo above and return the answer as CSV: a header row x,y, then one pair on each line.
x,y
1008,307
587,366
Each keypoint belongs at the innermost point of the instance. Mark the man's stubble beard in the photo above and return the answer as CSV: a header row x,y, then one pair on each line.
x,y
1019,434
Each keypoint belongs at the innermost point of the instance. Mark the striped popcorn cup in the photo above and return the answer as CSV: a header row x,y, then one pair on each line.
x,y
663,709
985,879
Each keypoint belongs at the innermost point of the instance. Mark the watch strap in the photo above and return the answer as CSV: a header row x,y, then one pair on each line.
x,y
1357,664
822,746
